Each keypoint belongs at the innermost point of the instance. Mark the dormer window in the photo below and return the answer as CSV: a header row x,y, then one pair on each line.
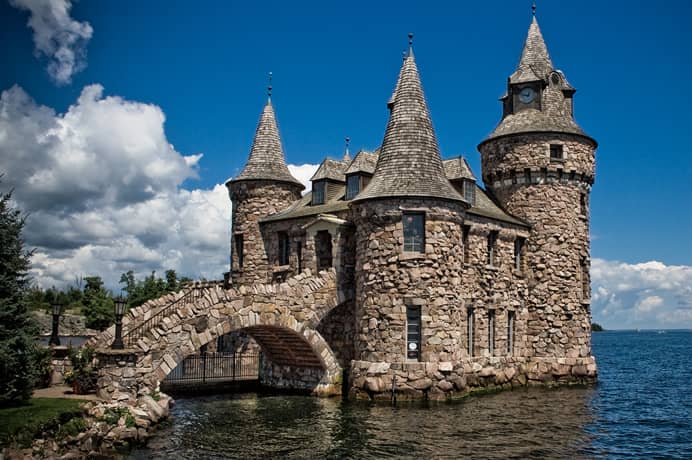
x,y
352,186
556,153
469,189
318,192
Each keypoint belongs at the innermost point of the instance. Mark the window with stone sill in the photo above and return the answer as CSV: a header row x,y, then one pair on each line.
x,y
413,332
491,332
492,248
519,253
556,152
510,332
318,192
414,231
284,248
352,186
469,330
239,250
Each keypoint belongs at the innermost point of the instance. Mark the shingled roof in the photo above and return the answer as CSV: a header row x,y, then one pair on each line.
x,y
363,162
266,161
555,114
331,169
535,63
409,163
458,168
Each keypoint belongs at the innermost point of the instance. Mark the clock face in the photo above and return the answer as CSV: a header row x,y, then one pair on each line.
x,y
527,95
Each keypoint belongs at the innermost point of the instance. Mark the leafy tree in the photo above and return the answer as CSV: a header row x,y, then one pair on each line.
x,y
151,287
17,328
98,304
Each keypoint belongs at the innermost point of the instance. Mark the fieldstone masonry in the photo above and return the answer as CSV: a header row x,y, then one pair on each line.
x,y
501,281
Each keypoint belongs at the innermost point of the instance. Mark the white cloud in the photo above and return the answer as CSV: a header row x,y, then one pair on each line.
x,y
303,173
57,36
644,295
102,186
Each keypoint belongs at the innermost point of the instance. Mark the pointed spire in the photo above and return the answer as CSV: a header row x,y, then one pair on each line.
x,y
347,154
409,164
266,160
535,63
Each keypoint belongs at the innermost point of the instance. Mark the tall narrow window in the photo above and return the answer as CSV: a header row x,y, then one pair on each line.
x,y
414,232
492,243
239,249
465,230
469,330
284,248
352,186
585,285
469,189
318,192
518,253
413,332
582,204
299,254
491,332
510,332
556,153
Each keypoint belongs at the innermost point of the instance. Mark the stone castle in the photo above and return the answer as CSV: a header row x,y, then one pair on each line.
x,y
444,286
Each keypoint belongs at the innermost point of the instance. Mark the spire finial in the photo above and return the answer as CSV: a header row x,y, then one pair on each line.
x,y
533,9
348,142
403,54
410,39
269,87
347,154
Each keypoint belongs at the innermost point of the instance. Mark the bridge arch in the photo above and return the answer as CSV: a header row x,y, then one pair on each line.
x,y
283,319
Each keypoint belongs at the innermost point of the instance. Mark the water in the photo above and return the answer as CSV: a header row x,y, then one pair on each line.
x,y
641,408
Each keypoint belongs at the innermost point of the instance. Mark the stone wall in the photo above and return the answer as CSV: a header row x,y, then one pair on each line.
x,y
252,201
298,378
553,197
442,380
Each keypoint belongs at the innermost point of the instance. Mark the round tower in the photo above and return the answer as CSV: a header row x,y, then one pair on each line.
x,y
408,260
539,165
264,187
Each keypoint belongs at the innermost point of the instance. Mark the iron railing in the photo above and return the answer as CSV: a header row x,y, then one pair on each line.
x,y
216,367
133,335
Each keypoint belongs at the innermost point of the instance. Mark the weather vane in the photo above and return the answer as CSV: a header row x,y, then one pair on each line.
x,y
269,88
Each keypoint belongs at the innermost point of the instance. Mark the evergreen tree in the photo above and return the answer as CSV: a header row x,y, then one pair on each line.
x,y
17,328
98,304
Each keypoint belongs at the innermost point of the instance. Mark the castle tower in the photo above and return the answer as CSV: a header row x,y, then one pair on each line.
x,y
539,164
264,187
408,220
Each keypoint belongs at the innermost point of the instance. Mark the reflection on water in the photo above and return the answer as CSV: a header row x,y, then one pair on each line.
x,y
640,408
524,423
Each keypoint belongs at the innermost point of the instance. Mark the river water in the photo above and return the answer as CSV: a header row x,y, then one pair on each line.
x,y
641,408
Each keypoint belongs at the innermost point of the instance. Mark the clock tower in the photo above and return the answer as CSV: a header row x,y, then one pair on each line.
x,y
539,165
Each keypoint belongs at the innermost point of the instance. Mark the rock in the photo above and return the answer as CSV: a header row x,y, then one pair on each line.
x,y
445,386
156,412
445,366
378,368
421,384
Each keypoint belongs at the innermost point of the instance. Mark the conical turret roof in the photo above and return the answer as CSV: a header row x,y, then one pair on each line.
x,y
555,112
535,63
409,163
266,160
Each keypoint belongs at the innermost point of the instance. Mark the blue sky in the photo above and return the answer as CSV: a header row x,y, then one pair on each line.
x,y
203,65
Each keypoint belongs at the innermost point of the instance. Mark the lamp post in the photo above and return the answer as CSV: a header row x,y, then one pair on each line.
x,y
119,311
54,338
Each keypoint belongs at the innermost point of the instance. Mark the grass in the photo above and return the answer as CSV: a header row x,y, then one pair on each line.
x,y
23,423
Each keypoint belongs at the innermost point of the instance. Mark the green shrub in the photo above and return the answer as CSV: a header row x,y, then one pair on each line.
x,y
72,428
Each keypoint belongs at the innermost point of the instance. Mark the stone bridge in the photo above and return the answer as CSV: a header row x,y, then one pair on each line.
x,y
283,318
